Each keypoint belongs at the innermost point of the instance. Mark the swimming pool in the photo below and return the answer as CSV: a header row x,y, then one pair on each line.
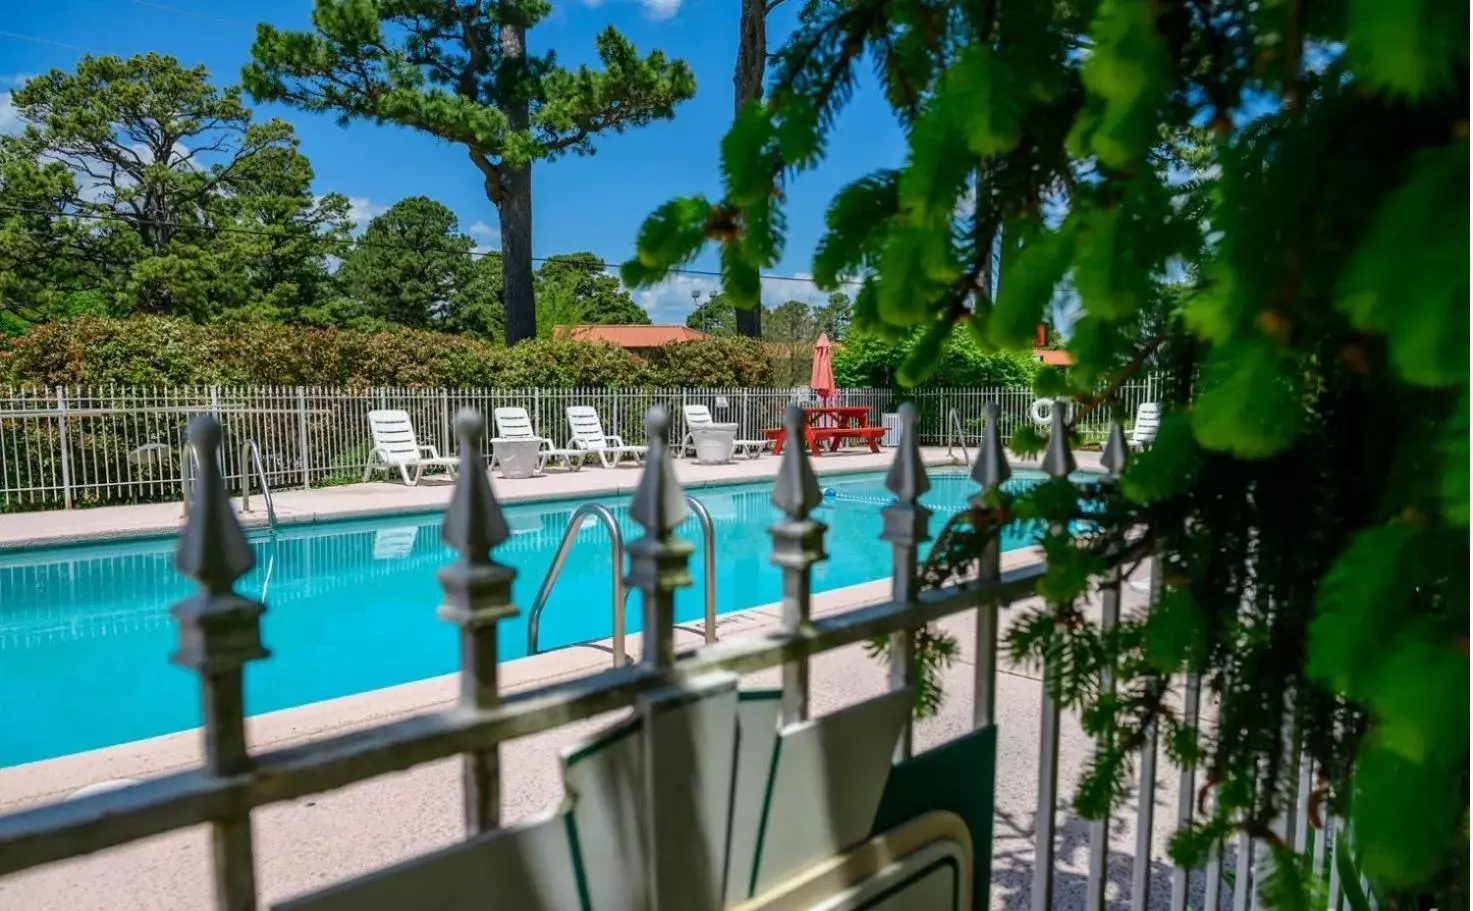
x,y
85,631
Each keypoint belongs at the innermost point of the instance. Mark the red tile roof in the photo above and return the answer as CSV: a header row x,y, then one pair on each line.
x,y
1056,358
631,336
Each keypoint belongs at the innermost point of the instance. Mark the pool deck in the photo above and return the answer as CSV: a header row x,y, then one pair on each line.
x,y
305,844
377,498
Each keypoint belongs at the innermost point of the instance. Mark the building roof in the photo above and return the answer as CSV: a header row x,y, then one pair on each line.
x,y
1055,358
630,336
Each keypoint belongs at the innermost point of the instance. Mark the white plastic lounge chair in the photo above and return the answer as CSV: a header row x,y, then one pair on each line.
x,y
589,436
1147,423
514,424
700,416
394,446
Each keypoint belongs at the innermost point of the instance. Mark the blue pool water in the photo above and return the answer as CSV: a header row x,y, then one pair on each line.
x,y
85,631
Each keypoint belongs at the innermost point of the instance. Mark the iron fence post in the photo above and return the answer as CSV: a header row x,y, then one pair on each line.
x,y
658,565
906,528
797,543
303,446
219,631
477,598
991,471
63,438
1058,462
1113,460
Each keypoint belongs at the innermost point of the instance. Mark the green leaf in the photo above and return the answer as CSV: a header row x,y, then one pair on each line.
x,y
746,157
1129,69
1027,441
938,166
1409,278
1034,267
925,356
1250,404
797,128
1175,632
1169,467
742,282
673,234
1405,822
856,222
1455,459
1050,382
1359,608
1409,47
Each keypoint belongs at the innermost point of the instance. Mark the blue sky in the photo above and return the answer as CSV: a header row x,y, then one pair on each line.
x,y
594,203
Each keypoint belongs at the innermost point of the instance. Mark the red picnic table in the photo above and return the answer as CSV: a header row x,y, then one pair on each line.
x,y
849,422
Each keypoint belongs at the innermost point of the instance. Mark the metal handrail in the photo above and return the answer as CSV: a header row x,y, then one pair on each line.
x,y
620,594
616,538
955,421
250,454
188,464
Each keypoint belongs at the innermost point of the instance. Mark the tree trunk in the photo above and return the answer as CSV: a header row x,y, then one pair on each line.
x,y
515,208
751,68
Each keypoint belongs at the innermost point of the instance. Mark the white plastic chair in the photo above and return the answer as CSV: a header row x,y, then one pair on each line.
x,y
514,424
589,436
394,446
1147,424
700,416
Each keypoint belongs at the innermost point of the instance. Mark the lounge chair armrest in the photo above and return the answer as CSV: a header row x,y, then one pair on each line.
x,y
614,440
431,451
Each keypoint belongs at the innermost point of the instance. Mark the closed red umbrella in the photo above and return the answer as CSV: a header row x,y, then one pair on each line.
x,y
821,381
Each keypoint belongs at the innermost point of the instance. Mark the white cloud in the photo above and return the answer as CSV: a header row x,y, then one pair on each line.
x,y
487,237
362,210
660,10
670,300
10,120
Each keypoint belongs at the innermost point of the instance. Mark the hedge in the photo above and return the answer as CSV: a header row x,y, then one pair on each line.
x,y
155,350
873,362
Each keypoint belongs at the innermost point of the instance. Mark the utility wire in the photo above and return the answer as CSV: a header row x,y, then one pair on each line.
x,y
130,218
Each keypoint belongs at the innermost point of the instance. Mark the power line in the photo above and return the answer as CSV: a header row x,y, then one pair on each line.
x,y
360,242
240,23
35,39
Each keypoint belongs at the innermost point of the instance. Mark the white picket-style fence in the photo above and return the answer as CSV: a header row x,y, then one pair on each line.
x,y
65,446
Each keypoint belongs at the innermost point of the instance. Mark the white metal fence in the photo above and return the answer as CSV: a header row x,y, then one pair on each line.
x,y
88,445
220,633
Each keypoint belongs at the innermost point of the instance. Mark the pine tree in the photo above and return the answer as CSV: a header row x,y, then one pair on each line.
x,y
460,71
1267,202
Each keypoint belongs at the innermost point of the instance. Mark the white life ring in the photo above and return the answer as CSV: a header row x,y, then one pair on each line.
x,y
1042,410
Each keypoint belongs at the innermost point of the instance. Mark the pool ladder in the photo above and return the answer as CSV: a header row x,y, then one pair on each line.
x,y
955,431
250,458
605,516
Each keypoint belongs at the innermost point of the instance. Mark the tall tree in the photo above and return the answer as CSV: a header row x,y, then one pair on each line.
x,y
751,72
409,266
155,174
276,238
791,328
460,70
601,297
835,315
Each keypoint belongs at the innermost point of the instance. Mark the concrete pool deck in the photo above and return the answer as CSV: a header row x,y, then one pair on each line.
x,y
305,844
379,498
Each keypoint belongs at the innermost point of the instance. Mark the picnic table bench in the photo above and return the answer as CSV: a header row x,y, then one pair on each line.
x,y
851,423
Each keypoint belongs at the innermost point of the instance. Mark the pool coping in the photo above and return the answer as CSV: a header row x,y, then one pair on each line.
x,y
133,522
25,785
422,500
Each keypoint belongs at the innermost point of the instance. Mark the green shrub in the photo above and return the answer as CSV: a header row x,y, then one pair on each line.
x,y
872,362
152,350
712,362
